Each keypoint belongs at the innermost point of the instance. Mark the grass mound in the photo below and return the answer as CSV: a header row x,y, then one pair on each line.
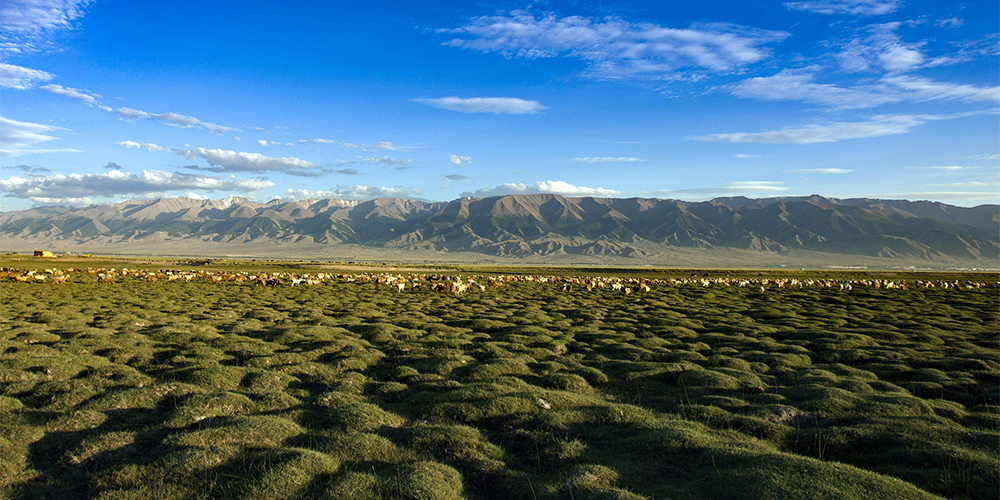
x,y
352,389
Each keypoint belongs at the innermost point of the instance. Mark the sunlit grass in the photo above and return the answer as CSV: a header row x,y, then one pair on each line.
x,y
180,389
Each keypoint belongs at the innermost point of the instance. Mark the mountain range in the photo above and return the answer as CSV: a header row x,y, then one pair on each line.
x,y
537,226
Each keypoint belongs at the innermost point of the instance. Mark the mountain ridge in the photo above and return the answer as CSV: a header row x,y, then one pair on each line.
x,y
535,225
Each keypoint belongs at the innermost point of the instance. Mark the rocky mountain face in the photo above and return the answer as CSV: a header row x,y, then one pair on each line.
x,y
539,225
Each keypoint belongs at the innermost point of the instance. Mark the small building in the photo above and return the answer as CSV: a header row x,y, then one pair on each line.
x,y
44,253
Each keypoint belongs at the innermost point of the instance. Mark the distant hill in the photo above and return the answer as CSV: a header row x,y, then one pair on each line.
x,y
538,226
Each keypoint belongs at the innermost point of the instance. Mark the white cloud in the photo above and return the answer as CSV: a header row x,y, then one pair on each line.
x,y
386,160
882,49
613,48
222,160
4,153
148,146
968,184
17,77
458,161
496,105
746,156
728,189
172,119
307,194
925,89
607,159
36,16
262,142
132,114
947,168
985,157
25,25
357,192
176,120
43,189
876,127
851,7
16,138
953,22
799,85
78,94
351,192
975,196
218,129
370,148
15,134
379,146
455,177
553,187
820,171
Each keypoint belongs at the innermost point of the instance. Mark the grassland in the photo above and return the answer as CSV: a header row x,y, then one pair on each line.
x,y
351,389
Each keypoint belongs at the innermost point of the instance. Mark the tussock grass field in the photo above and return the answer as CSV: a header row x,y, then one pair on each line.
x,y
234,383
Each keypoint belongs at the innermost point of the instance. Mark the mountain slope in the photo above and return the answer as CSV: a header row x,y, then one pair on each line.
x,y
536,225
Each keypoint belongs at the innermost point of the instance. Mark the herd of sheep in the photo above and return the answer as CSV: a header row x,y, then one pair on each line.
x,y
457,284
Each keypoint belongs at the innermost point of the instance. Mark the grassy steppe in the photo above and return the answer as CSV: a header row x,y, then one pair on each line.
x,y
342,390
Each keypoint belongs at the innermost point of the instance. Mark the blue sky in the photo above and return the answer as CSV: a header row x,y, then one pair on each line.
x,y
106,100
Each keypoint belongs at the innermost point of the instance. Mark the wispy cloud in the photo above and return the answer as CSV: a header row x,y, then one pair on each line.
x,y
37,16
222,160
946,168
147,146
18,138
876,127
800,85
455,177
496,105
351,192
967,184
981,196
378,146
217,129
553,187
358,192
31,170
882,49
746,156
25,24
172,119
20,78
399,163
15,134
607,159
849,7
459,161
614,48
114,183
820,171
951,22
79,94
985,157
728,189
